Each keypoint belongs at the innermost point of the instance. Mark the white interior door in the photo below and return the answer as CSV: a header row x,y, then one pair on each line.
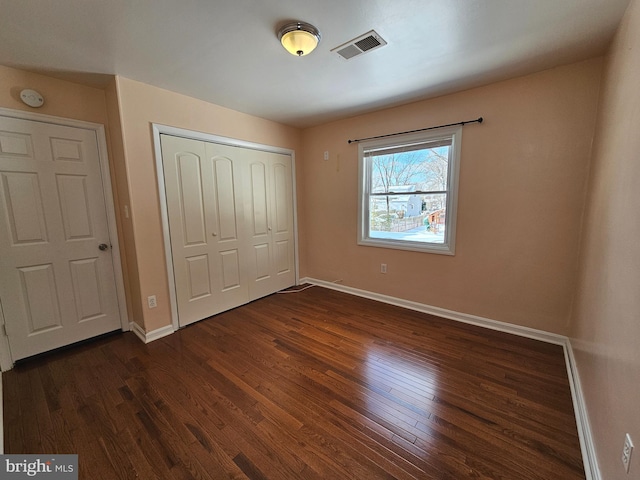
x,y
269,206
205,226
57,286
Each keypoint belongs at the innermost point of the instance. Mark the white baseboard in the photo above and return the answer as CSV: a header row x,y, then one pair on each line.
x,y
444,313
590,460
579,407
156,334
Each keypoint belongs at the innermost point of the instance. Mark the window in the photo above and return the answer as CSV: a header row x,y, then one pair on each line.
x,y
408,191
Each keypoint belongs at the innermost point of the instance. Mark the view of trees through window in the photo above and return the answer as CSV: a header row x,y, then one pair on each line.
x,y
408,193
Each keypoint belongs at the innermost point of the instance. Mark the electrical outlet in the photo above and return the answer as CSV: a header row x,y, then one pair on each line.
x,y
627,450
151,300
326,155
383,268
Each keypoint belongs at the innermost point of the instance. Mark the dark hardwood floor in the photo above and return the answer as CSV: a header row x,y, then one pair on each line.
x,y
309,385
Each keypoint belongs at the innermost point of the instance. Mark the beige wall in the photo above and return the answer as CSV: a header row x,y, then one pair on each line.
x,y
140,106
606,322
522,187
61,98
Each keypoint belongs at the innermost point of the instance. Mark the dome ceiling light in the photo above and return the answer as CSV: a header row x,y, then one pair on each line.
x,y
299,38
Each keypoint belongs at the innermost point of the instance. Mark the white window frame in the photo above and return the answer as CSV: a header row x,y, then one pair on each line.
x,y
364,183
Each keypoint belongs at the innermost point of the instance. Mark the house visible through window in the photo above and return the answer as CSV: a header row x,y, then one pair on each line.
x,y
408,191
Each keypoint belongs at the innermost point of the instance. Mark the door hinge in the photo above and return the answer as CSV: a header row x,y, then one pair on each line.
x,y
4,330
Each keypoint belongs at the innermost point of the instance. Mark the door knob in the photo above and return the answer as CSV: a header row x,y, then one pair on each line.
x,y
103,246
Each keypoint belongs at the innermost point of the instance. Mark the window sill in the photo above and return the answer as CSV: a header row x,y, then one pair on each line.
x,y
439,249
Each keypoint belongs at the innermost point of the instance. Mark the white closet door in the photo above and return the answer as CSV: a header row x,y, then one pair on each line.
x,y
205,226
228,218
268,204
57,285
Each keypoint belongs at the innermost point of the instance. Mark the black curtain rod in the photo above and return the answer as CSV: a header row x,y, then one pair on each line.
x,y
477,120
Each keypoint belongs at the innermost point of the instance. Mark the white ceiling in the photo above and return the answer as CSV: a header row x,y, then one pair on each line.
x,y
226,51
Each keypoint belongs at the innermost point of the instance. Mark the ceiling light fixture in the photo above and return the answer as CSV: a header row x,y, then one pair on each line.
x,y
299,38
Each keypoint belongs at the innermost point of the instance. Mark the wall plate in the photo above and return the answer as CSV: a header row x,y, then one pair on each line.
x,y
31,98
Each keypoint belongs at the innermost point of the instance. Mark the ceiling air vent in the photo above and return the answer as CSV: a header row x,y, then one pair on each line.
x,y
362,44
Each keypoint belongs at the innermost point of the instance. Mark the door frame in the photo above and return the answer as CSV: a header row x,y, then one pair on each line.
x,y
159,129
6,360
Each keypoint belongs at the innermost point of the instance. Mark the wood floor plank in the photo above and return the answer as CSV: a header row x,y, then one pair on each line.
x,y
310,385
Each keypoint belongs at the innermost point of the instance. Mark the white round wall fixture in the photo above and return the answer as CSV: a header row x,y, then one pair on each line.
x,y
31,98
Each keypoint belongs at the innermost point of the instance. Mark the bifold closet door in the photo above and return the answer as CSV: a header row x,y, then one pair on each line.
x,y
231,227
206,220
268,205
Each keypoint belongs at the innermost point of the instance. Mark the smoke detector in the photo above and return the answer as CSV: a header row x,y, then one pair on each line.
x,y
363,44
31,98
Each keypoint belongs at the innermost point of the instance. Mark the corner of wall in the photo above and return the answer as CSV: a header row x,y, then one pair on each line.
x,y
604,330
120,182
586,189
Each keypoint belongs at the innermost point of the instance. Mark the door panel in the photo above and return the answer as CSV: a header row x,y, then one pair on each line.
x,y
281,205
230,273
16,145
85,274
198,276
283,235
56,287
40,298
271,219
282,257
23,202
74,206
191,199
256,166
183,169
66,150
225,196
202,191
258,192
230,269
262,270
